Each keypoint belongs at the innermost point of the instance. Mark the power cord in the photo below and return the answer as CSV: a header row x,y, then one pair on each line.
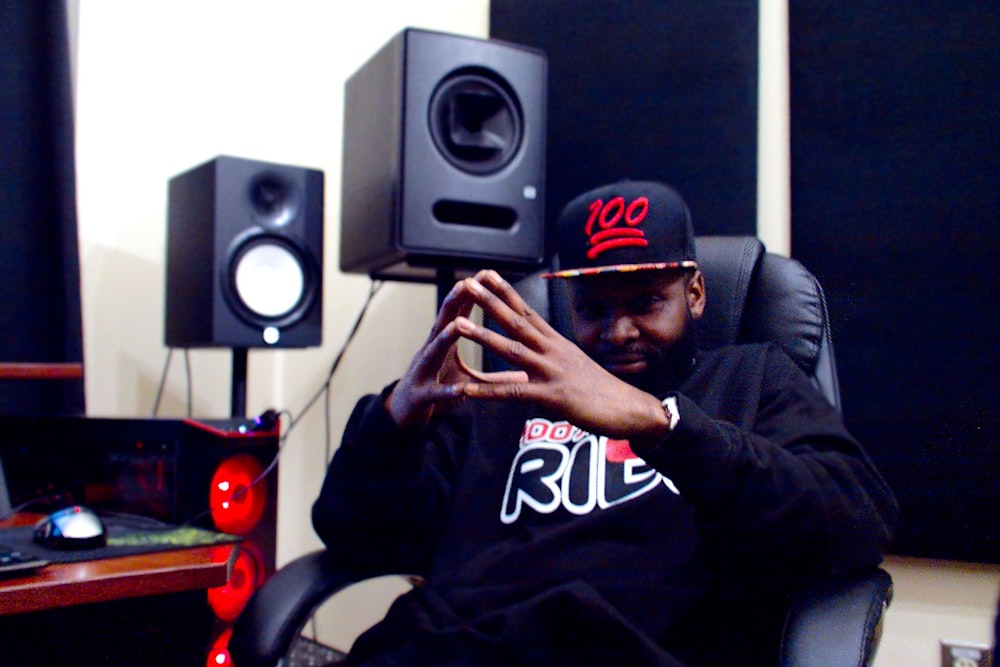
x,y
163,380
267,420
325,388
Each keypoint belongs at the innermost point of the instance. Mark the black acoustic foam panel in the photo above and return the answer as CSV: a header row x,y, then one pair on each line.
x,y
648,90
895,125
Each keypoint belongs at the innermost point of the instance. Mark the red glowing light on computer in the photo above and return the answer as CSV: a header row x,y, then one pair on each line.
x,y
218,654
238,494
228,600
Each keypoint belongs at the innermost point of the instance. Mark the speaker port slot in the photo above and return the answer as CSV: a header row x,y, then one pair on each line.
x,y
472,214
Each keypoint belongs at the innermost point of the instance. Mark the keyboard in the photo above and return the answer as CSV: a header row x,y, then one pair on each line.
x,y
14,562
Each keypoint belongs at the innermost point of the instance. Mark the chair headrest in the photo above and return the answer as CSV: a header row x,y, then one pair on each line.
x,y
729,264
755,296
787,307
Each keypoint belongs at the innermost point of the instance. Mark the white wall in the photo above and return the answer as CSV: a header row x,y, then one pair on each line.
x,y
163,86
936,600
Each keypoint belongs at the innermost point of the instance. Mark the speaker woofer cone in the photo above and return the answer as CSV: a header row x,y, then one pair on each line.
x,y
270,282
475,121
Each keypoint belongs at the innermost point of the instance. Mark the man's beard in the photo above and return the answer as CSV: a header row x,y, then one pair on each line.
x,y
668,368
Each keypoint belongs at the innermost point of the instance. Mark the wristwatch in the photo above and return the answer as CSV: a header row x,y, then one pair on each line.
x,y
670,407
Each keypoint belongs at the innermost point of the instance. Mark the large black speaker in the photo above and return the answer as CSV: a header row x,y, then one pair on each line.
x,y
244,255
444,158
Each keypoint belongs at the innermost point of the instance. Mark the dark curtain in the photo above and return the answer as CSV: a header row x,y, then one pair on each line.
x,y
40,315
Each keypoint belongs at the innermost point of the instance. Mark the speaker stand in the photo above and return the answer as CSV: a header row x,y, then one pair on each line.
x,y
238,388
445,280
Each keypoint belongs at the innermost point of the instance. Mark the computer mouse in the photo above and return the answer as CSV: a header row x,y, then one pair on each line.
x,y
74,527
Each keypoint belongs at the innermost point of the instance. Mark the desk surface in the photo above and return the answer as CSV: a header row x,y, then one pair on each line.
x,y
66,584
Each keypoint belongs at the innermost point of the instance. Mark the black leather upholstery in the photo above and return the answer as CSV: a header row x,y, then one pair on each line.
x,y
837,623
730,265
278,611
753,296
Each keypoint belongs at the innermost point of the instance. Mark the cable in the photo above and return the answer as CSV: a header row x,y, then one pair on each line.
x,y
163,380
187,378
256,480
293,421
373,290
327,433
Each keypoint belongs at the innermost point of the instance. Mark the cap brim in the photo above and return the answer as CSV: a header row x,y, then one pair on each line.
x,y
620,268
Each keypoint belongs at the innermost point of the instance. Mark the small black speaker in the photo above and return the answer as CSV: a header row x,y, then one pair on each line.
x,y
244,255
444,158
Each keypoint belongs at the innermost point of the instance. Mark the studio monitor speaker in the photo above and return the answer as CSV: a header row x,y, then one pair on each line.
x,y
244,255
444,157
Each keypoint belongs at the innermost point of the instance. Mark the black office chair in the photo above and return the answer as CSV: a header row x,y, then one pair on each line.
x,y
753,296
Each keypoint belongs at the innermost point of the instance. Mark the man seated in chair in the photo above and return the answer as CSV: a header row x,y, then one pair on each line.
x,y
618,499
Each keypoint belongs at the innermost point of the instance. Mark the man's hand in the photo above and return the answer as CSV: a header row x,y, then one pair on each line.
x,y
437,375
556,373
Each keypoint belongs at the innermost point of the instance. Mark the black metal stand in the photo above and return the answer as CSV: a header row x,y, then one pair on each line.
x,y
238,389
445,280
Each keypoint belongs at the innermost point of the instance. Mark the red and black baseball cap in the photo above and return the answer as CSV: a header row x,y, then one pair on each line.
x,y
625,226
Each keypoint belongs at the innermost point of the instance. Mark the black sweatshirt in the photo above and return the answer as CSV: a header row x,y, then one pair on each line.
x,y
544,544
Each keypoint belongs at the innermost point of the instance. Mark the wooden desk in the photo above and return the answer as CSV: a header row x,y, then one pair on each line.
x,y
66,584
63,585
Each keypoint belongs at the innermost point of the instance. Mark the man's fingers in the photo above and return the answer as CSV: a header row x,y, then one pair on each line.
x,y
440,393
434,355
523,326
517,315
519,391
458,302
516,352
501,377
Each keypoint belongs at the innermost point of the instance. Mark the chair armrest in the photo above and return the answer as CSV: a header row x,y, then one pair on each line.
x,y
837,622
280,608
